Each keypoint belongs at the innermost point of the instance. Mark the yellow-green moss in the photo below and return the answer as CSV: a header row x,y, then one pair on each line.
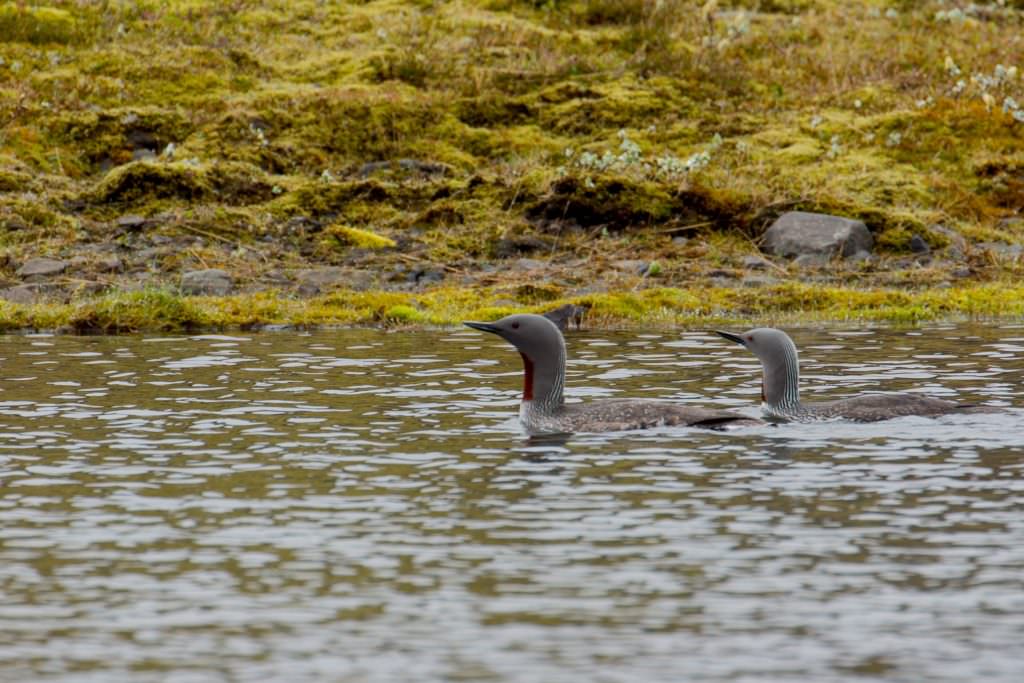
x,y
38,25
165,311
357,237
147,310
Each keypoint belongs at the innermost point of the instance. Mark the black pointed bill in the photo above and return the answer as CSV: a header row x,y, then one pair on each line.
x,y
731,337
483,327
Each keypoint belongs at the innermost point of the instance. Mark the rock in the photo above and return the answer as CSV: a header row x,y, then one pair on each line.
x,y
759,281
798,233
509,247
918,245
811,260
36,269
961,272
956,248
275,277
636,266
527,264
152,253
720,273
563,315
755,262
22,294
131,221
425,276
89,287
316,280
109,264
213,281
860,257
1003,250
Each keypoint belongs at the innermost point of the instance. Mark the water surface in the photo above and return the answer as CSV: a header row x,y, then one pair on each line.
x,y
361,506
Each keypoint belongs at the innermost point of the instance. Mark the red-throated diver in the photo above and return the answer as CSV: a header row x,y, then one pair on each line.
x,y
780,390
543,409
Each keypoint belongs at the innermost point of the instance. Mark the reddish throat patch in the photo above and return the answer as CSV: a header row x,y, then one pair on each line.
x,y
527,377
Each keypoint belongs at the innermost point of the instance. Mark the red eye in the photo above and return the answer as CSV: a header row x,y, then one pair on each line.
x,y
750,337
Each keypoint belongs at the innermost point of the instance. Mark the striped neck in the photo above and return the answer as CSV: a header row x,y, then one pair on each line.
x,y
780,385
544,379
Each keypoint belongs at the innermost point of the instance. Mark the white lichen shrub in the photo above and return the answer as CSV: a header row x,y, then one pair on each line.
x,y
630,158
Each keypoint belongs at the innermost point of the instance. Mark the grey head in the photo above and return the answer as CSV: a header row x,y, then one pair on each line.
x,y
780,384
542,347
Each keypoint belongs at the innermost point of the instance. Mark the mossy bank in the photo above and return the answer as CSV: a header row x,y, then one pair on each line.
x,y
413,163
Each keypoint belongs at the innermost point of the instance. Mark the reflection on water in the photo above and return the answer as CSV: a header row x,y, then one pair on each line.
x,y
361,506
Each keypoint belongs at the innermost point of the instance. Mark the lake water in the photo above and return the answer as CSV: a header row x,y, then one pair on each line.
x,y
361,506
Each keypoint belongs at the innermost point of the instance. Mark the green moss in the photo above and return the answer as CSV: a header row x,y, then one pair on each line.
x,y
38,25
146,310
538,293
616,201
96,139
357,237
163,311
35,222
142,181
402,314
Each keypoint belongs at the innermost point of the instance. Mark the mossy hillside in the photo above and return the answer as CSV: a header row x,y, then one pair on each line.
x,y
598,130
165,311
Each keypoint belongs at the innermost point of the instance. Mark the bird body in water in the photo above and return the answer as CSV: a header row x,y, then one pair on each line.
x,y
780,388
543,409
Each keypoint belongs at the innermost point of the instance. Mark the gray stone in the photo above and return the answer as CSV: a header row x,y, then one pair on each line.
x,y
918,245
759,281
213,281
860,257
1003,250
275,277
518,245
813,260
956,247
798,233
755,262
22,294
316,280
131,221
720,273
109,264
961,272
565,315
527,264
151,253
425,276
36,269
636,266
